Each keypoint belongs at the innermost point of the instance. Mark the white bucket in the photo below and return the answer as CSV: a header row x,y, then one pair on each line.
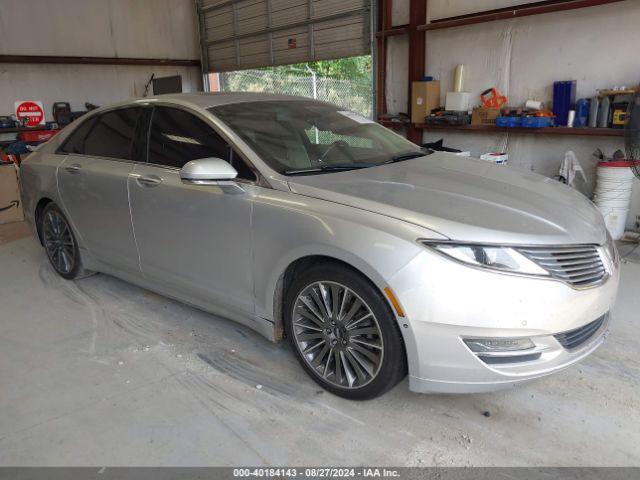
x,y
615,219
618,172
604,185
612,203
609,184
612,194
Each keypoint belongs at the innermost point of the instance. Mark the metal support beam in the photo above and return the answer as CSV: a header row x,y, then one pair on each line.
x,y
204,51
312,43
384,12
66,60
272,53
525,10
417,61
236,42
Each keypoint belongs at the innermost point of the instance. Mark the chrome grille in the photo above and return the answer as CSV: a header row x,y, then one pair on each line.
x,y
574,338
580,265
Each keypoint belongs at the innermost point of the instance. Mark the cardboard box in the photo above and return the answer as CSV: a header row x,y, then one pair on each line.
x,y
425,96
10,204
484,116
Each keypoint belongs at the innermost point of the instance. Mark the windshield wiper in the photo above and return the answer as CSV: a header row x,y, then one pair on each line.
x,y
408,156
336,167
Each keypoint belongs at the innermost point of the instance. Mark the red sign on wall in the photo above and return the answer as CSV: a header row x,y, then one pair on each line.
x,y
31,111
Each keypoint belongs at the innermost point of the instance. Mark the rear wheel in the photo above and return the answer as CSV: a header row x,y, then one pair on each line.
x,y
344,333
60,243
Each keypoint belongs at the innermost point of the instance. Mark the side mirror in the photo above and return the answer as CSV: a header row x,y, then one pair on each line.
x,y
207,171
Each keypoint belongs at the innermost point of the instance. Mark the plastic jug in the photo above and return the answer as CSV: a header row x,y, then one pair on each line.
x,y
582,112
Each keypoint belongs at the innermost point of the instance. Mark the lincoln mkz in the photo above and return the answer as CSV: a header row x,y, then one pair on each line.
x,y
373,256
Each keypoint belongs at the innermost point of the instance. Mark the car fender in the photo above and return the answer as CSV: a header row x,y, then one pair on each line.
x,y
288,227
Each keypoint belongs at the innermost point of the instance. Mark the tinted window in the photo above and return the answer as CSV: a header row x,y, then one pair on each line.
x,y
75,142
241,167
112,134
139,152
178,137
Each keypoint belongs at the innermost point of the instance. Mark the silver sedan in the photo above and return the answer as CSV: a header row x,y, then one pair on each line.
x,y
372,256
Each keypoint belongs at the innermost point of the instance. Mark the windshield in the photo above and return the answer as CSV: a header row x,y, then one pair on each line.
x,y
308,137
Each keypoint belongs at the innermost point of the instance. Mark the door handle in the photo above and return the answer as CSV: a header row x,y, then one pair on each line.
x,y
75,168
151,181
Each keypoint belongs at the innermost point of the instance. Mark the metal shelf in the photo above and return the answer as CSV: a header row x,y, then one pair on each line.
x,y
416,33
589,132
24,129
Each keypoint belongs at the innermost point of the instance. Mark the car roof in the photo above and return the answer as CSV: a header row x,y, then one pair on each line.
x,y
200,100
203,100
213,99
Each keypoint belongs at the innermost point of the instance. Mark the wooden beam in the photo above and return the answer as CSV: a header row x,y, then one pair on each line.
x,y
69,60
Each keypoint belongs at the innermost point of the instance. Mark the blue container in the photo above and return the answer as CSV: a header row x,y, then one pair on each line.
x,y
515,122
582,112
536,122
564,99
508,122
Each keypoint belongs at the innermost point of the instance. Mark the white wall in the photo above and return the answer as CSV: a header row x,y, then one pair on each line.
x,y
596,46
165,29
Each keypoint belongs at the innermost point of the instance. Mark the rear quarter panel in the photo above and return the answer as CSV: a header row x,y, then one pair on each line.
x,y
38,179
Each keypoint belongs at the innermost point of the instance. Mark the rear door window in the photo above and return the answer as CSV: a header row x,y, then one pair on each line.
x,y
113,133
75,142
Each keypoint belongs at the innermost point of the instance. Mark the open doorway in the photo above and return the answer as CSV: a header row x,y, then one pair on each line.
x,y
346,82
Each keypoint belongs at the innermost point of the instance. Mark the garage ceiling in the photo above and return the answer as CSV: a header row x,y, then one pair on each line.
x,y
244,34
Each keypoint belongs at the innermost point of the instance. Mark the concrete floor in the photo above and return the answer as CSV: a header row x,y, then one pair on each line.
x,y
99,372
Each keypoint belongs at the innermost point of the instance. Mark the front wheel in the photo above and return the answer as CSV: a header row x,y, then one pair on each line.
x,y
344,333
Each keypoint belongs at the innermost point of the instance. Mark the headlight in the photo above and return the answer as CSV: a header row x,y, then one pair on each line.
x,y
612,251
503,259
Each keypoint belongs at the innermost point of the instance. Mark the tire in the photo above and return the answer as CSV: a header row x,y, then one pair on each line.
x,y
60,243
372,356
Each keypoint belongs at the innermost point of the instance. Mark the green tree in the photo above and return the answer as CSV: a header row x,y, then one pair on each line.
x,y
357,69
346,81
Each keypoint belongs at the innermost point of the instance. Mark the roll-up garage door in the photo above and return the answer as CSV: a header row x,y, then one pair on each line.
x,y
241,34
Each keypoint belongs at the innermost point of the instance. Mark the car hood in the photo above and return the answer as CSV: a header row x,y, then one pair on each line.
x,y
465,200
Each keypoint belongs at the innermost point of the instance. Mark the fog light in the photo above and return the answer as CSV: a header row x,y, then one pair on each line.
x,y
480,345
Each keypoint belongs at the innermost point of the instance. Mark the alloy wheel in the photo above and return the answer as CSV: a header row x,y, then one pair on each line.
x,y
337,334
59,242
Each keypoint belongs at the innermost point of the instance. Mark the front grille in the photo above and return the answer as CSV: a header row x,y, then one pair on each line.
x,y
574,338
580,266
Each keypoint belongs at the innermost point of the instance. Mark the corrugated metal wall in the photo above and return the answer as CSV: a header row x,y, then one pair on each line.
x,y
244,34
94,28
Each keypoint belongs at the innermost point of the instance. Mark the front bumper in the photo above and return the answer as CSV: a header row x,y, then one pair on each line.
x,y
445,302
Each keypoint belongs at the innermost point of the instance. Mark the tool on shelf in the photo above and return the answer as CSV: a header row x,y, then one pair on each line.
x,y
492,98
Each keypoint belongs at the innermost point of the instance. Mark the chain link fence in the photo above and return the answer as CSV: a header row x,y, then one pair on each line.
x,y
348,94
